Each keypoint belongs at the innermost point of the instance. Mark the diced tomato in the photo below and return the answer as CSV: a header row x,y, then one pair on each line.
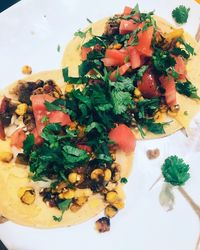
x,y
117,55
17,138
84,53
122,70
148,85
123,137
182,78
168,83
2,132
38,139
180,66
85,147
135,58
108,62
39,109
59,117
144,41
127,10
127,26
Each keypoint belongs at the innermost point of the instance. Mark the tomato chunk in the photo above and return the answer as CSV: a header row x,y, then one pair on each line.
x,y
84,53
117,55
17,138
168,83
39,109
127,26
148,85
144,41
38,139
122,70
127,10
59,117
180,66
123,137
135,58
85,147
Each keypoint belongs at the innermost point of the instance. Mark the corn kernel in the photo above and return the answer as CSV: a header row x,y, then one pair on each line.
x,y
69,88
27,195
21,109
96,174
6,156
119,204
117,46
107,175
158,116
137,92
111,196
172,114
174,34
74,208
110,211
72,177
81,200
69,194
27,70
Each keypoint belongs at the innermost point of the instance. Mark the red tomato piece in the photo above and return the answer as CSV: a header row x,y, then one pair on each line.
x,y
127,10
180,66
135,58
17,138
117,55
148,85
144,41
127,26
84,53
108,62
2,132
122,70
38,139
123,137
39,109
85,147
168,83
59,117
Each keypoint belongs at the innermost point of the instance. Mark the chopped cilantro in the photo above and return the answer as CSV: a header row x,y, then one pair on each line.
x,y
45,119
180,14
83,34
63,206
187,89
123,180
28,144
89,21
175,171
188,47
58,48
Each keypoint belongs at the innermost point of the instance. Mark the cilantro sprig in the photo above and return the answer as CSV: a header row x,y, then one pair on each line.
x,y
175,171
63,206
187,89
180,14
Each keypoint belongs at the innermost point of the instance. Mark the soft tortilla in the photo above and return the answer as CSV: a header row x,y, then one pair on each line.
x,y
14,176
72,59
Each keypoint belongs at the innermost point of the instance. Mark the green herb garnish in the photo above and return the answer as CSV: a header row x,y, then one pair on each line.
x,y
123,180
180,14
63,206
175,171
187,89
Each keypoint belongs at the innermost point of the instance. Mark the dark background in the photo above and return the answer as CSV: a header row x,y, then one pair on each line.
x,y
4,4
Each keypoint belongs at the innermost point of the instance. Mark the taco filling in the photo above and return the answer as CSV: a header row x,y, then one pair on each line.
x,y
69,142
147,63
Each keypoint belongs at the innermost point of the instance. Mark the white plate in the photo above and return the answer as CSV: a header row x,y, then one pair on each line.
x,y
30,33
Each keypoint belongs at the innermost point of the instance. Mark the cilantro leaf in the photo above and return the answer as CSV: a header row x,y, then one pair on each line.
x,y
28,144
55,105
141,71
63,206
124,180
121,100
175,171
187,89
95,40
188,47
83,34
180,14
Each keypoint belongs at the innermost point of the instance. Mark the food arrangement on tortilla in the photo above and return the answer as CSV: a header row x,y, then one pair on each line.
x,y
67,144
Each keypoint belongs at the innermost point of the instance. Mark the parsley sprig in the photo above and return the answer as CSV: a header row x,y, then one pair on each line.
x,y
180,14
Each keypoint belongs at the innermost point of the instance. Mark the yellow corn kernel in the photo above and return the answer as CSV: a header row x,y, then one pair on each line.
x,y
110,211
96,174
111,196
117,176
158,116
74,208
6,156
174,34
27,195
172,114
27,70
72,177
69,194
69,88
117,46
61,185
107,175
137,93
141,98
81,131
55,94
21,109
73,125
81,200
119,204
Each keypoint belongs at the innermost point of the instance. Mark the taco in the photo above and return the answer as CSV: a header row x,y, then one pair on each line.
x,y
159,60
57,170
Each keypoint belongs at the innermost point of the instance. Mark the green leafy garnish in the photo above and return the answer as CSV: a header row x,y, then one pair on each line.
x,y
45,119
123,180
189,49
187,89
63,206
180,14
83,34
175,171
28,144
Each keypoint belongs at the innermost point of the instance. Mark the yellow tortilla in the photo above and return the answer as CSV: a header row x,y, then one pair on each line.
x,y
71,59
14,176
